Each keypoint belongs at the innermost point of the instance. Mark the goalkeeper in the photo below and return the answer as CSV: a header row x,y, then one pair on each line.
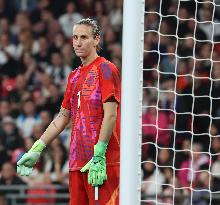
x,y
92,102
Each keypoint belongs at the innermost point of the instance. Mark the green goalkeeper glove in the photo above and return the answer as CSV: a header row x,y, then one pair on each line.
x,y
97,165
29,159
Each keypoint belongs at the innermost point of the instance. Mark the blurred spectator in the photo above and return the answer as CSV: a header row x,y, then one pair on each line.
x,y
184,15
24,5
215,180
156,126
58,70
152,181
150,58
167,99
188,169
182,80
68,56
7,10
215,170
3,153
4,26
58,42
38,130
57,7
3,200
43,55
104,23
22,22
201,194
145,100
5,109
172,194
116,15
10,136
202,109
45,118
18,94
168,63
152,5
7,85
99,9
57,168
165,27
68,19
109,38
29,70
205,21
9,177
45,82
186,46
151,22
187,25
215,89
116,51
52,24
28,118
54,100
164,158
184,105
183,153
26,43
35,16
215,147
191,28
7,56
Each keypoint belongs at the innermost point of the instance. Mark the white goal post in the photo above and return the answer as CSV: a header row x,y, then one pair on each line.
x,y
132,65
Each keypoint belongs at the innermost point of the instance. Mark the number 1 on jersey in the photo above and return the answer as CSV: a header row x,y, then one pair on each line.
x,y
78,94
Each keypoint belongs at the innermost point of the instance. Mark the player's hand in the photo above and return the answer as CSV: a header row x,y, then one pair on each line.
x,y
29,159
97,165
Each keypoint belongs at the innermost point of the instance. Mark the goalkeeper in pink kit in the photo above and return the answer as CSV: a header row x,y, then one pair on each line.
x,y
92,102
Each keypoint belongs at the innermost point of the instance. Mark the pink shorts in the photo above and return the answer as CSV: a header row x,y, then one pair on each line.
x,y
82,193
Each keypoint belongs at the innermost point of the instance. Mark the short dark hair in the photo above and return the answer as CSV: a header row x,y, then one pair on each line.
x,y
90,22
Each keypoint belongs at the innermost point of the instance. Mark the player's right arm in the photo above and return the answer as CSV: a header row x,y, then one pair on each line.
x,y
56,126
29,159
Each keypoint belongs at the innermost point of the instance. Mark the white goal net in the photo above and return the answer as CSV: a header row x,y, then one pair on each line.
x,y
181,103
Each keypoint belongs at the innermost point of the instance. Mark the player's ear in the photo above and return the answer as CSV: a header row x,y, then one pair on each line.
x,y
97,41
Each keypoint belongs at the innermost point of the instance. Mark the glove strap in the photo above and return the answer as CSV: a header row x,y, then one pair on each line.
x,y
38,146
100,148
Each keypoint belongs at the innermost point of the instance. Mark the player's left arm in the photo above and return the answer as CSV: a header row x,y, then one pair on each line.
x,y
109,119
97,165
110,89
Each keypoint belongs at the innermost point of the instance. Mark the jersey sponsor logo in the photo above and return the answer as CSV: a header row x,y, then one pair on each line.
x,y
106,70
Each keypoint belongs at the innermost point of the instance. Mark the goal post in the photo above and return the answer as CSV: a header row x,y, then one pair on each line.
x,y
131,103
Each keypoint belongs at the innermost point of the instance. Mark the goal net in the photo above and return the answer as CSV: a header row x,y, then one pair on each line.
x,y
181,103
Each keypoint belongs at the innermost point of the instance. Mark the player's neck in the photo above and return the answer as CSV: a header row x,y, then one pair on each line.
x,y
86,61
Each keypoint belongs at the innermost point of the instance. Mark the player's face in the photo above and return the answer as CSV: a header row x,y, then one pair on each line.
x,y
84,43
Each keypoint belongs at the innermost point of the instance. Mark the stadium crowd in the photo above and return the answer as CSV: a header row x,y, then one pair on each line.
x,y
181,127
36,56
